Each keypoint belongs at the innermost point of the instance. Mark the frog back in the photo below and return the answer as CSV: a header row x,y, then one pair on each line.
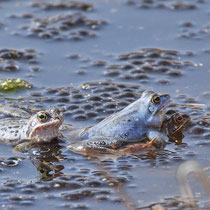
x,y
126,125
13,130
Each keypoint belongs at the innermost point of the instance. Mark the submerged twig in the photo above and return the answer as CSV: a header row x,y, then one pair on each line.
x,y
182,175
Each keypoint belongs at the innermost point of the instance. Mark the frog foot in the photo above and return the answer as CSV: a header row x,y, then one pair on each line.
x,y
23,147
133,148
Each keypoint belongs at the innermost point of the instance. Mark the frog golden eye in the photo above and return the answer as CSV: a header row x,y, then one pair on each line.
x,y
179,119
42,117
156,99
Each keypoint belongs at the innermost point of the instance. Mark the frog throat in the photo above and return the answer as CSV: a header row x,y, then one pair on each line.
x,y
54,125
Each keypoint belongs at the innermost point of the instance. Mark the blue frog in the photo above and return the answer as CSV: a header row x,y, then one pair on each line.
x,y
138,121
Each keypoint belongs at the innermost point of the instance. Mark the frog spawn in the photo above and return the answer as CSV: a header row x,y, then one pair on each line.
x,y
63,27
191,30
63,5
13,60
144,65
124,165
92,101
72,191
171,5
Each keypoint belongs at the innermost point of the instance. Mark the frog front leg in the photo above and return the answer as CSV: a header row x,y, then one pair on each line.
x,y
25,145
160,138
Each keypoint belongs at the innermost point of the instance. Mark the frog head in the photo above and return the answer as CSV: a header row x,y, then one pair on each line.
x,y
176,123
44,125
154,107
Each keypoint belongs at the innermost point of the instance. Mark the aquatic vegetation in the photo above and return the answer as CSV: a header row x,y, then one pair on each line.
x,y
14,84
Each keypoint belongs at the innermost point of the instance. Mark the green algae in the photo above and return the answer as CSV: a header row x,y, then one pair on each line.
x,y
7,85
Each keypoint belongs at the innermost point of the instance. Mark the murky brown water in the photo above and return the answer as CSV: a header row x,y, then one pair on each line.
x,y
92,59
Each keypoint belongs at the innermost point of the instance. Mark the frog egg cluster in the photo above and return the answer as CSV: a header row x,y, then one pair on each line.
x,y
62,25
67,191
92,101
63,5
12,60
145,65
190,30
171,5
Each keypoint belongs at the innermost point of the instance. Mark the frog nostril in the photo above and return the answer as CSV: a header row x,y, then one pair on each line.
x,y
166,96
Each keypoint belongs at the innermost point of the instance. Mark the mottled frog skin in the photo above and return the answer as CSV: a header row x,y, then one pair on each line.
x,y
43,126
174,126
11,111
175,123
139,121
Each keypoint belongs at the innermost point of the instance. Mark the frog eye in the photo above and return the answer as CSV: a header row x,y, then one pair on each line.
x,y
42,117
156,99
179,119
